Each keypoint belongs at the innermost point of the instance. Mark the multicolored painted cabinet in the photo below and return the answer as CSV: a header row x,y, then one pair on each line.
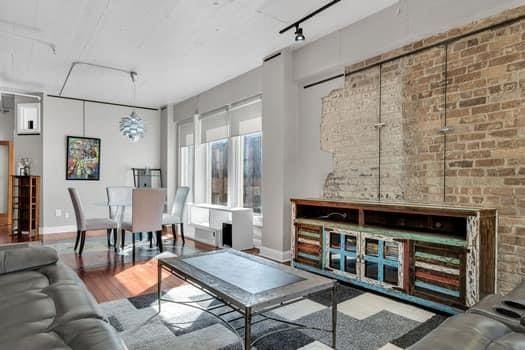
x,y
438,256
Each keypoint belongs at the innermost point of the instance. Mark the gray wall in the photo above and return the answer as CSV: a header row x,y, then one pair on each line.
x,y
7,125
294,165
118,156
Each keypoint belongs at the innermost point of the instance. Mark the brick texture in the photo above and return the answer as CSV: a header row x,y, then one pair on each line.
x,y
480,161
347,128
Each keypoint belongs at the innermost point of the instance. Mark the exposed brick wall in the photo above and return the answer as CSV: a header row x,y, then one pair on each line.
x,y
486,149
347,127
480,161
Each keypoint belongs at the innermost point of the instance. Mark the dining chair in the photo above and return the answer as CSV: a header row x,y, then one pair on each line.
x,y
119,195
119,212
175,218
84,225
147,207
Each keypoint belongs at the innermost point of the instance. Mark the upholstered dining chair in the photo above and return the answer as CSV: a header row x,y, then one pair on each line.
x,y
84,225
175,218
118,195
147,207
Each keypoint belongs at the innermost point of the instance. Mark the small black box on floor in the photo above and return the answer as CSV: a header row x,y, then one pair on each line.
x,y
227,234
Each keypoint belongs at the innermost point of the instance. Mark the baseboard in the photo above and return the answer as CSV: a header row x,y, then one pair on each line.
x,y
58,229
273,254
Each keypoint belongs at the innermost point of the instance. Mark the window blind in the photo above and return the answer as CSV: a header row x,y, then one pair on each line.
x,y
186,137
215,126
246,118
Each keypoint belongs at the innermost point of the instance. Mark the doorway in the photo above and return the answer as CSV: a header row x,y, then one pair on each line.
x,y
7,164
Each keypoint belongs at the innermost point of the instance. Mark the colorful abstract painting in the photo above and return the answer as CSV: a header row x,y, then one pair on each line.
x,y
83,158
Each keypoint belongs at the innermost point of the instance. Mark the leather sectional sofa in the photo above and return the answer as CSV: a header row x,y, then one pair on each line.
x,y
45,305
495,323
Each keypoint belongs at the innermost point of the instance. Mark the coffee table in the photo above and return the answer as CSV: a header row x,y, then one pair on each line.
x,y
249,285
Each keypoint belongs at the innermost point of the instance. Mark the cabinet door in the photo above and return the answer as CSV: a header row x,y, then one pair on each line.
x,y
381,261
308,240
438,272
342,251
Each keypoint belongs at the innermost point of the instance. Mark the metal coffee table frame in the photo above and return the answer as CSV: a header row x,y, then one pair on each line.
x,y
259,305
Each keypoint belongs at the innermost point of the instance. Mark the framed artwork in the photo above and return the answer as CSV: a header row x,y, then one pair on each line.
x,y
83,158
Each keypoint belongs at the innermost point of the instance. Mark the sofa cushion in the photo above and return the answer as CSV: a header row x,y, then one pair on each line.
x,y
71,302
26,258
59,273
90,334
471,331
511,341
15,283
37,341
25,314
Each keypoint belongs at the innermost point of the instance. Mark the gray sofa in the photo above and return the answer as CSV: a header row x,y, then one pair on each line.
x,y
495,323
44,305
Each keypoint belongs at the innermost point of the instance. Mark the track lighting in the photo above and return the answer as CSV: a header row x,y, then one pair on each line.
x,y
299,36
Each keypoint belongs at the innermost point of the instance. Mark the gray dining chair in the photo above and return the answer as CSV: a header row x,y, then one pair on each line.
x,y
84,225
175,218
147,207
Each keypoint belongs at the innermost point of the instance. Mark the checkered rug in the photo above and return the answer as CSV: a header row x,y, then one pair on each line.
x,y
365,321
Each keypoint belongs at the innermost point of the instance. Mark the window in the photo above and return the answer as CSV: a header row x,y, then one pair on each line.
x,y
186,155
218,172
228,157
252,172
186,166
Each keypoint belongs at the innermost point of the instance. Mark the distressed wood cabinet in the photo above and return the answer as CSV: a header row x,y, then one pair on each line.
x,y
438,256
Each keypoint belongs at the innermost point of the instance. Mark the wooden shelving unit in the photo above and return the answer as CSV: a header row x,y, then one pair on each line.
x,y
26,205
441,257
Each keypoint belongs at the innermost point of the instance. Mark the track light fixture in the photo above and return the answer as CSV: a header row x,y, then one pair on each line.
x,y
299,36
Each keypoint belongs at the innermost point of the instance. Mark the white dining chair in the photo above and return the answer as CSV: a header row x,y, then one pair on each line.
x,y
84,225
147,207
175,217
119,200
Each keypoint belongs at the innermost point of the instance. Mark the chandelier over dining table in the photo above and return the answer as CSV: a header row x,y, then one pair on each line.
x,y
132,125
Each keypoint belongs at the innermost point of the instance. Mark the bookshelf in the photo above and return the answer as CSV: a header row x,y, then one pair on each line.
x,y
26,205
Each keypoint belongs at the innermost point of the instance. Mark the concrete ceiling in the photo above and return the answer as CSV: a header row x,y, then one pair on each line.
x,y
178,47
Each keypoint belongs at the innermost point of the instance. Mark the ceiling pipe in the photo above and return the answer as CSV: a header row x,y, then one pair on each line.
x,y
4,92
51,46
131,73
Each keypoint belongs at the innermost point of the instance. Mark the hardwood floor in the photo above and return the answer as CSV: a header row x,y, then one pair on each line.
x,y
114,281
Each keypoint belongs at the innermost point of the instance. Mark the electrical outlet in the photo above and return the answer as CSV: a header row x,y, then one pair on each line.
x,y
58,212
66,215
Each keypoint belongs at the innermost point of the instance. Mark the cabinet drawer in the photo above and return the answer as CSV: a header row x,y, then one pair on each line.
x,y
308,244
438,273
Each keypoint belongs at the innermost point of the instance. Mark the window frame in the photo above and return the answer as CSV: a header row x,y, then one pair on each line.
x,y
240,172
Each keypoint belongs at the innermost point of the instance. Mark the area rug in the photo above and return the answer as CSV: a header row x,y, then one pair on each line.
x,y
96,253
366,321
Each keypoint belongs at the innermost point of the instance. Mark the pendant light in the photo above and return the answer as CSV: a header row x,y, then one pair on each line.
x,y
132,125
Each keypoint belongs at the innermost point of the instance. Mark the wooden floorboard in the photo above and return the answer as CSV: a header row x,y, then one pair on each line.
x,y
113,282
